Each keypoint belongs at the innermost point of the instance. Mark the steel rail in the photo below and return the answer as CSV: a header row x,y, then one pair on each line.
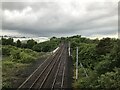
x,y
37,70
51,69
57,75
41,73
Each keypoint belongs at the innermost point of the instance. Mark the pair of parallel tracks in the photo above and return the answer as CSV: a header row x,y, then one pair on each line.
x,y
50,74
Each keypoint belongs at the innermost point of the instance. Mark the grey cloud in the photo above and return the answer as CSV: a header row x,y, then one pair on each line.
x,y
53,21
22,5
101,6
13,5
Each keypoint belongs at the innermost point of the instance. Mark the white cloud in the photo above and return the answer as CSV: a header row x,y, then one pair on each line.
x,y
16,16
61,17
100,36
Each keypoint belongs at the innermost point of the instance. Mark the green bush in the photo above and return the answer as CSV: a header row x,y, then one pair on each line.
x,y
6,86
26,58
110,79
87,54
87,82
5,51
15,54
20,55
104,65
8,63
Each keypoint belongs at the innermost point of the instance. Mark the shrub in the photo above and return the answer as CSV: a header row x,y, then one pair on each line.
x,y
110,79
5,51
15,54
26,58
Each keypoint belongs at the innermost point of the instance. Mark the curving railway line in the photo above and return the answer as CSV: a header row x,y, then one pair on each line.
x,y
52,73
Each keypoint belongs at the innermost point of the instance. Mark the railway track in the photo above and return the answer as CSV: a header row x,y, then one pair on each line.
x,y
60,74
50,74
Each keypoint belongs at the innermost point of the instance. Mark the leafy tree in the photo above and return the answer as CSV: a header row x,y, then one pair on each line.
x,y
18,43
87,54
31,43
104,46
37,47
47,46
74,44
103,66
53,38
8,41
5,51
15,54
3,41
110,79
115,55
23,45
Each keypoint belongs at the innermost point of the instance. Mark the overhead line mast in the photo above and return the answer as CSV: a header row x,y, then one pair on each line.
x,y
76,63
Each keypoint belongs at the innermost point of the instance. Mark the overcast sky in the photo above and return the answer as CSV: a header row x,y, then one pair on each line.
x,y
60,18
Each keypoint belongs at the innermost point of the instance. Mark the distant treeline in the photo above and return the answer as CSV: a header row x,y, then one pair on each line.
x,y
46,46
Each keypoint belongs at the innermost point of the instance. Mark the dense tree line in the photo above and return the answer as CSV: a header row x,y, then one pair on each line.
x,y
46,46
100,58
